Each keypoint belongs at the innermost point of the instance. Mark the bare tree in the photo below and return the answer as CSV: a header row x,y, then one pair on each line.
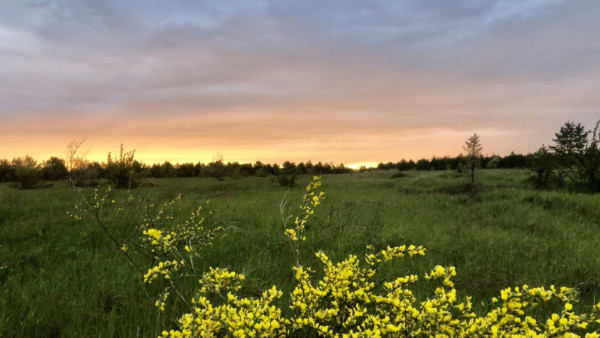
x,y
473,148
75,157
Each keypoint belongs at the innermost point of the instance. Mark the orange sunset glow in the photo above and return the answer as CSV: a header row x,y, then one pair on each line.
x,y
343,81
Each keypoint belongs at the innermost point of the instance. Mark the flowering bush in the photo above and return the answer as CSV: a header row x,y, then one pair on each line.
x,y
337,299
347,301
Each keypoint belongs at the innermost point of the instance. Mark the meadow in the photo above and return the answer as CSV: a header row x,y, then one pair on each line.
x,y
63,277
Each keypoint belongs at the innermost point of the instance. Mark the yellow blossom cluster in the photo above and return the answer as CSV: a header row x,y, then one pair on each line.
x,y
99,201
162,268
219,280
174,245
157,215
77,213
310,200
392,253
511,316
158,240
345,300
95,204
236,317
439,272
101,198
160,303
191,235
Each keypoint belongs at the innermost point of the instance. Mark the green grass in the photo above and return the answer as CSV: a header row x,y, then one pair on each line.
x,y
60,277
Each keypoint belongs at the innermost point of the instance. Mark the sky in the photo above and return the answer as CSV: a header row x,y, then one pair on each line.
x,y
343,81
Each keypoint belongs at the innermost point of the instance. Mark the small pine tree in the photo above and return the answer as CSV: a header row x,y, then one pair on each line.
x,y
473,148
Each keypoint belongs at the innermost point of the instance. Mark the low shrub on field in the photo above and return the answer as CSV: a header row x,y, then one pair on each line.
x,y
347,298
473,190
399,175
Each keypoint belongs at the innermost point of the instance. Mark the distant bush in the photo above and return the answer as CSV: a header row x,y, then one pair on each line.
x,y
286,180
7,171
543,165
216,169
87,176
120,169
54,169
287,174
493,162
261,172
473,190
27,172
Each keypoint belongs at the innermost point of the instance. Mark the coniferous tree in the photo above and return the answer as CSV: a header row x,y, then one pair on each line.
x,y
473,149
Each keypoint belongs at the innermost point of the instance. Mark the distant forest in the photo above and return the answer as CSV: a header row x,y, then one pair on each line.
x,y
57,169
454,163
573,162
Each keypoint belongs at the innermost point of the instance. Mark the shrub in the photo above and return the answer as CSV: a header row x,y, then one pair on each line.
x,y
399,175
261,172
54,169
543,164
7,171
216,169
27,172
287,175
286,180
120,169
347,299
469,189
85,176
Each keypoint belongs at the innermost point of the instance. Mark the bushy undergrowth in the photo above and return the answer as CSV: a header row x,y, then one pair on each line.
x,y
345,298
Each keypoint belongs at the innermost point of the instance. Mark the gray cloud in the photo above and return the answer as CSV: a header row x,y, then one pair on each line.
x,y
363,67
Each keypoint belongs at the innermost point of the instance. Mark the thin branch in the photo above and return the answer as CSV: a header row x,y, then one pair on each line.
x,y
105,229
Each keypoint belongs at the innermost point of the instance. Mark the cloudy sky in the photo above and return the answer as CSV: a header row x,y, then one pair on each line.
x,y
335,81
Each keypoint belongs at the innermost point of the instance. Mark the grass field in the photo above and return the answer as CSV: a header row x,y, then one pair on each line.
x,y
61,277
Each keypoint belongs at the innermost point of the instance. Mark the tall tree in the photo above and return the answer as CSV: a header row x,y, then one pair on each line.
x,y
570,144
590,162
578,155
473,149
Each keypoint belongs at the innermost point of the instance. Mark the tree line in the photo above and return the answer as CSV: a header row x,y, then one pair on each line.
x,y
458,162
572,162
126,172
